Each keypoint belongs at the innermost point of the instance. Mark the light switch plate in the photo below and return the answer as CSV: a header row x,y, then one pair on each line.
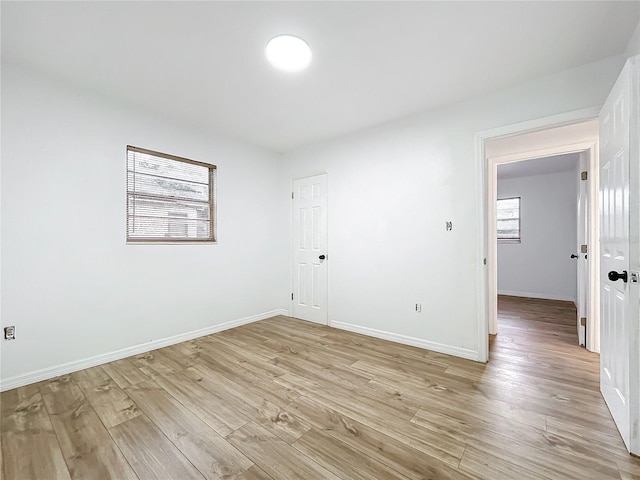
x,y
10,333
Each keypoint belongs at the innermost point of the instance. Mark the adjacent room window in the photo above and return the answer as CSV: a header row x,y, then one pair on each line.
x,y
508,219
169,198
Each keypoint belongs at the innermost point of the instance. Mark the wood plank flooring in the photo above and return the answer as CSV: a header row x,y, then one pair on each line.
x,y
287,399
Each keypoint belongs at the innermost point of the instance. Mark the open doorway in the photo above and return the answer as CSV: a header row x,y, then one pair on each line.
x,y
539,265
571,142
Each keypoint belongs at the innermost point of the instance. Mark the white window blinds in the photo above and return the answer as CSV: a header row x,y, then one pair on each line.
x,y
508,218
169,199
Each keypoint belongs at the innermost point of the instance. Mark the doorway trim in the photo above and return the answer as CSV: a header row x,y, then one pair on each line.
x,y
486,171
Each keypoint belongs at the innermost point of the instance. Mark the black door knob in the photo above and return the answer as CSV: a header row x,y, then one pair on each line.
x,y
322,257
573,255
613,276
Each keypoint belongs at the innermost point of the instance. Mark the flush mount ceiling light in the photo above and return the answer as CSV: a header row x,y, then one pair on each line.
x,y
288,53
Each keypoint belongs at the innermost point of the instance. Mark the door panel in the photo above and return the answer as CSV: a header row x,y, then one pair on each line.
x,y
619,353
310,241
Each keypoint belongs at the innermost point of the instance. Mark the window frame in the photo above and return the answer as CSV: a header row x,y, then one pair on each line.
x,y
213,169
517,239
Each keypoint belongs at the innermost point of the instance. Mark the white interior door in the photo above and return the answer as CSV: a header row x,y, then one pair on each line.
x,y
310,249
619,297
582,264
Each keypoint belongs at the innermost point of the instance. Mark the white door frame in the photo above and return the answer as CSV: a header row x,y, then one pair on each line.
x,y
486,195
582,267
492,260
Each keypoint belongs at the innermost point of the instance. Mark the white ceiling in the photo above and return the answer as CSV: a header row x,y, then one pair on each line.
x,y
203,62
539,166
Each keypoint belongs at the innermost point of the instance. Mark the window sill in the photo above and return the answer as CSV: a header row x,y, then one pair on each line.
x,y
179,242
509,240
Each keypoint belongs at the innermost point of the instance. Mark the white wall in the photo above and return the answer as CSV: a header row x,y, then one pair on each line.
x,y
633,48
540,266
392,189
70,284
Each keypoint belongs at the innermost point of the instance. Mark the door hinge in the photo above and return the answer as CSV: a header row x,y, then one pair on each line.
x,y
484,261
584,175
583,321
583,249
291,195
292,296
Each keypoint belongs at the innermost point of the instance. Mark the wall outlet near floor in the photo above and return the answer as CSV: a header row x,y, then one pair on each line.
x,y
10,333
418,307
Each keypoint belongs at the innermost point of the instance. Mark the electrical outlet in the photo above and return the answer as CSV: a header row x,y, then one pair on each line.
x,y
418,307
10,333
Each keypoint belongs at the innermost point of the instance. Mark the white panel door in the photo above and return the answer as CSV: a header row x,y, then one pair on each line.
x,y
619,323
310,249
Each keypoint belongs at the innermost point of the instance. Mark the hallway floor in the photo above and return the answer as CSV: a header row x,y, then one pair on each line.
x,y
537,347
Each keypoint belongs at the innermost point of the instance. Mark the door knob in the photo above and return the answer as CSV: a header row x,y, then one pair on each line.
x,y
322,257
573,255
613,276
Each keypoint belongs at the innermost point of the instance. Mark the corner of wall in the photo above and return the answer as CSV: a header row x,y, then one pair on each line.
x,y
74,366
633,47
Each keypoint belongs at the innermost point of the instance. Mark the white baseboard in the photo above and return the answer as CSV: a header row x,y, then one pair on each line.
x,y
542,296
415,342
66,368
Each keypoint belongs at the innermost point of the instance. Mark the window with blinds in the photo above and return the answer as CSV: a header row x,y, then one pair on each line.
x,y
169,198
508,219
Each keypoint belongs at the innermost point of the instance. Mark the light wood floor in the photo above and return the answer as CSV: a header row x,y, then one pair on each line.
x,y
285,399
